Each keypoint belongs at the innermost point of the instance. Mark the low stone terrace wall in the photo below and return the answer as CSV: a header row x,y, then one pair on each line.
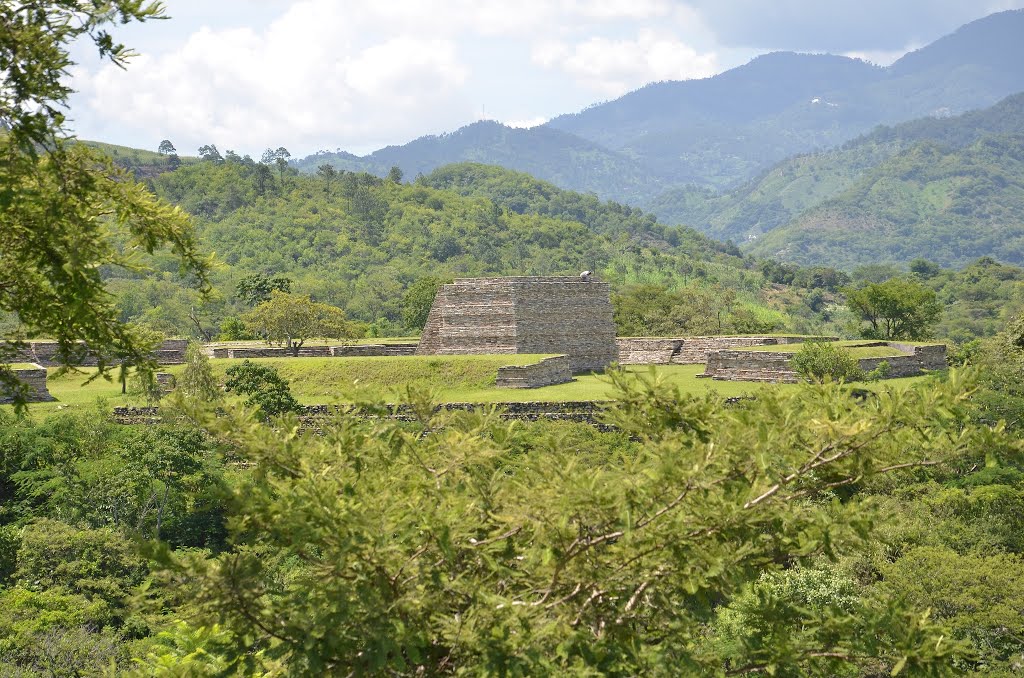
x,y
919,359
768,366
750,366
35,379
348,351
171,352
692,350
373,350
549,371
272,352
314,415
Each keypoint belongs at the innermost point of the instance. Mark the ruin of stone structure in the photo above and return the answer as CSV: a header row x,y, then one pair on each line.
x,y
559,314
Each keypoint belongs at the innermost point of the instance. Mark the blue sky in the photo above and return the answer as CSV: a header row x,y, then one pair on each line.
x,y
356,75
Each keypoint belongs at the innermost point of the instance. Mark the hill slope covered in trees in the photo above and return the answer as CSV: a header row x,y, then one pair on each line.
x,y
978,215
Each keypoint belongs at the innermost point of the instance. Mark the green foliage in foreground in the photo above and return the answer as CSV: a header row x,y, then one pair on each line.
x,y
459,545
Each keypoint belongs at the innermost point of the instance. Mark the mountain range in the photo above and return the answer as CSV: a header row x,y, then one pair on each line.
x,y
721,131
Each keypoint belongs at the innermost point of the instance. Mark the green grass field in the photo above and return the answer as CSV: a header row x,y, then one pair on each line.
x,y
24,366
448,378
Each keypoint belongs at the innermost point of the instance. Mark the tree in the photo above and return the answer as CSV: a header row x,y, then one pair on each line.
x,y
395,174
899,308
294,318
210,152
282,169
924,268
197,381
328,174
418,299
66,211
256,289
166,148
456,544
816,361
266,389
263,175
279,158
144,337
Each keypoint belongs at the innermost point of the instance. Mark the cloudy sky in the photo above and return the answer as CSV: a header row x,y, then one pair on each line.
x,y
357,75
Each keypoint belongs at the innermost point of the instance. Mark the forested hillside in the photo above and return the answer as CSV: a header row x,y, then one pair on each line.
x,y
949,205
794,193
361,242
368,245
804,181
564,159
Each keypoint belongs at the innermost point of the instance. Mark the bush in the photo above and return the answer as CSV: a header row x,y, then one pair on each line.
x,y
820,361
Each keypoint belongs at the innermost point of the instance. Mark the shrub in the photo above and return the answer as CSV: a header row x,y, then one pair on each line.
x,y
820,361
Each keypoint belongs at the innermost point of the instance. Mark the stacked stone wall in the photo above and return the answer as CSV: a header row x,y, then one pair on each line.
x,y
347,351
273,352
549,371
728,365
920,359
692,350
315,416
35,381
562,315
647,351
44,353
373,350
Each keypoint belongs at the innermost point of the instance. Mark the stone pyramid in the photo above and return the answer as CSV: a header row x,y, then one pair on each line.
x,y
562,314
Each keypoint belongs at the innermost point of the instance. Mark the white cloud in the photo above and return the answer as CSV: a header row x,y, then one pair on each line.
x,y
615,66
306,80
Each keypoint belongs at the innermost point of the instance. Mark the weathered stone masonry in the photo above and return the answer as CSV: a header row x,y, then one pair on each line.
x,y
560,314
692,350
348,351
35,379
767,366
549,371
171,352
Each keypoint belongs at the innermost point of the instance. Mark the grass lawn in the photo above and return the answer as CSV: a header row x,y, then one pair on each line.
x,y
24,366
449,378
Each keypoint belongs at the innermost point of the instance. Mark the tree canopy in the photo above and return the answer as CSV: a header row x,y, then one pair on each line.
x,y
65,210
294,318
899,308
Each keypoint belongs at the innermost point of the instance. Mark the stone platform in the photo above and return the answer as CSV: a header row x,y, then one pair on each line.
x,y
558,314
